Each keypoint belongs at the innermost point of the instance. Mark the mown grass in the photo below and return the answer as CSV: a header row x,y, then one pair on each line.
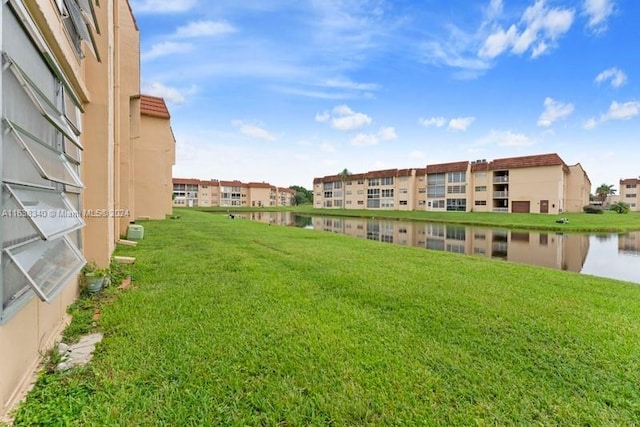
x,y
578,222
235,322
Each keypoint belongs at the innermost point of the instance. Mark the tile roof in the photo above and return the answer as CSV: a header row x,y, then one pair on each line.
x,y
191,181
259,185
629,181
448,167
153,106
551,159
381,173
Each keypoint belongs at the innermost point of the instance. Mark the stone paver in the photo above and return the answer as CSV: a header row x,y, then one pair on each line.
x,y
78,354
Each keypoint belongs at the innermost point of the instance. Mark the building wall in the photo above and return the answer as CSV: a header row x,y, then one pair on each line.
x,y
127,66
481,191
260,196
29,325
630,193
578,189
154,159
537,184
107,90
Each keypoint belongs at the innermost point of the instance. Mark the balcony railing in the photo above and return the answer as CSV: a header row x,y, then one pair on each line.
x,y
501,210
501,178
500,194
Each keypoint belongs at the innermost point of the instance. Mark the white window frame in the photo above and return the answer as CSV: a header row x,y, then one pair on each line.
x,y
18,134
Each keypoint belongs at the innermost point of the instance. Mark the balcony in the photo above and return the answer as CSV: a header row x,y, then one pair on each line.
x,y
501,178
500,194
501,210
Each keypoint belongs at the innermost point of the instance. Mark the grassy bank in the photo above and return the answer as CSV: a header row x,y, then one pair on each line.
x,y
236,322
578,222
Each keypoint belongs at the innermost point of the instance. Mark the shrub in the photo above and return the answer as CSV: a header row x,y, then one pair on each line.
x,y
620,207
592,209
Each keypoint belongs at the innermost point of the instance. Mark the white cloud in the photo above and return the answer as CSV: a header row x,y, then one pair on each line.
x,y
538,31
323,117
164,49
498,42
460,123
387,134
162,6
253,130
616,76
364,139
433,121
367,139
598,11
623,111
617,111
170,94
554,111
344,118
590,123
505,139
204,29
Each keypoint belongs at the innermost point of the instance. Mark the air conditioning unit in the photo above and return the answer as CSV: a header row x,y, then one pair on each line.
x,y
135,232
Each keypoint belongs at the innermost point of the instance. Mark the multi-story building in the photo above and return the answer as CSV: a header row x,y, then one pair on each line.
x,y
74,137
194,192
538,184
630,193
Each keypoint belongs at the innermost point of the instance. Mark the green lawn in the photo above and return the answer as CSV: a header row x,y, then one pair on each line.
x,y
235,322
607,222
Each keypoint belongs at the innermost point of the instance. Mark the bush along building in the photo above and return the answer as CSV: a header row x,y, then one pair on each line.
x,y
541,183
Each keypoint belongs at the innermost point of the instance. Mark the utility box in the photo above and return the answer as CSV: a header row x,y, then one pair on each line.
x,y
135,232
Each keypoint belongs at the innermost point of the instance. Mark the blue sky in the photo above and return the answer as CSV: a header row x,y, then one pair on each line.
x,y
284,91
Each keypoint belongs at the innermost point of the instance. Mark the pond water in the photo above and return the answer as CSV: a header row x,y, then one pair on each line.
x,y
605,255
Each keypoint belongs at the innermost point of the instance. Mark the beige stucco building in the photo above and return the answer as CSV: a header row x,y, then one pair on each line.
x,y
630,193
538,184
189,192
74,140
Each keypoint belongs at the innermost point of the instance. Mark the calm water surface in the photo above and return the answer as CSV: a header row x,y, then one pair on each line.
x,y
605,255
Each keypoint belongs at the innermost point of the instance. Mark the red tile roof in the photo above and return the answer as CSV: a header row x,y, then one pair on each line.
x,y
630,181
153,106
259,185
448,167
191,181
234,183
381,173
538,160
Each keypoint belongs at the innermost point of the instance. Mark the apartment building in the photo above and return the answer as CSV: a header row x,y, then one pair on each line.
x,y
630,193
73,136
195,192
538,184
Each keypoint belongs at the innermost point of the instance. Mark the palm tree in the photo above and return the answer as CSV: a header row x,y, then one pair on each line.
x,y
604,190
620,207
344,176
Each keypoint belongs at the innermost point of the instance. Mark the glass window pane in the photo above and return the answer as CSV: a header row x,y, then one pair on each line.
x,y
15,287
50,212
51,164
81,23
46,107
48,265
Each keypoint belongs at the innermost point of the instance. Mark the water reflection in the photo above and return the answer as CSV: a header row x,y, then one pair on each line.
x,y
606,255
